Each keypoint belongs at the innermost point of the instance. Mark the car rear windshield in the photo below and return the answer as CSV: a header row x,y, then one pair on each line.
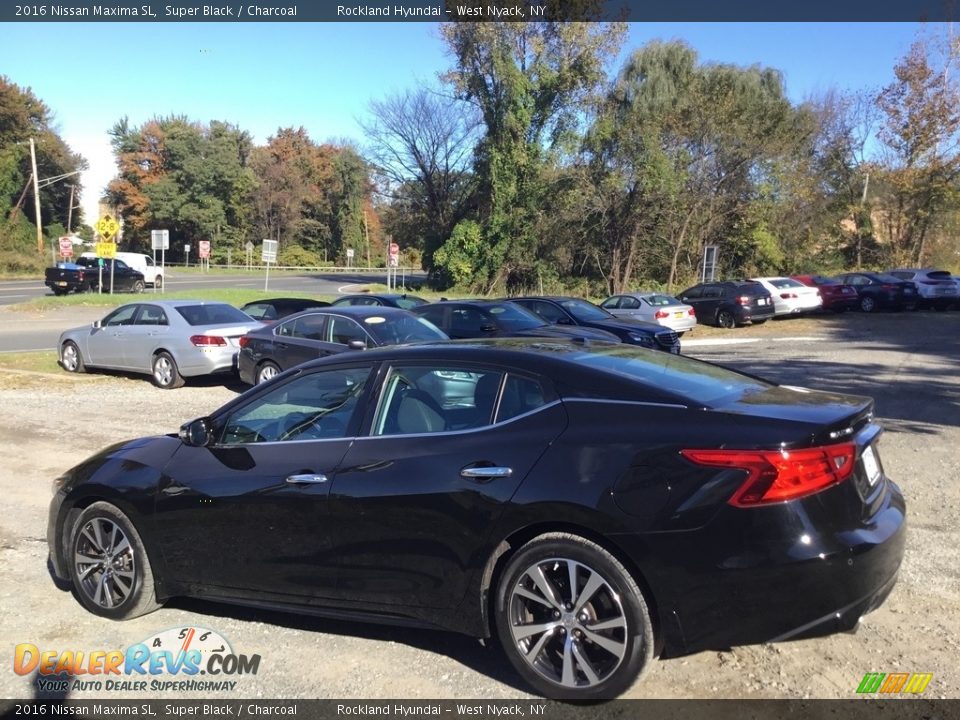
x,y
750,288
784,283
661,300
409,302
939,275
698,383
216,314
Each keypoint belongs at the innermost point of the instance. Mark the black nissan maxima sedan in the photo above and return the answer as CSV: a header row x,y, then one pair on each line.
x,y
307,335
593,505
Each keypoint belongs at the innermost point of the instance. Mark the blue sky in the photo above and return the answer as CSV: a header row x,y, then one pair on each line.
x,y
322,76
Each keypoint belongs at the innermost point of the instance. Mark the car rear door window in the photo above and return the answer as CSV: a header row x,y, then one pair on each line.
x,y
629,303
520,395
308,327
430,399
466,322
151,315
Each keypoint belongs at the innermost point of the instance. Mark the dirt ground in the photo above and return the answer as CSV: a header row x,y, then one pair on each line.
x,y
908,362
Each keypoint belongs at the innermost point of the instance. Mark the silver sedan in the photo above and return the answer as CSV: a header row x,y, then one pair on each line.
x,y
653,307
166,339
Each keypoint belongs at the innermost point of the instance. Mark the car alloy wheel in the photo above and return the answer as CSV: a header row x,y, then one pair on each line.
x,y
266,372
572,620
138,287
70,358
165,373
867,304
158,282
108,564
726,320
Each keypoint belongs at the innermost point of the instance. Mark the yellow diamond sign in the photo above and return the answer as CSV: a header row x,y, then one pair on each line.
x,y
107,227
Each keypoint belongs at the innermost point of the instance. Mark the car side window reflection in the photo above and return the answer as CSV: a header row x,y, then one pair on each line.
x,y
520,395
418,400
317,406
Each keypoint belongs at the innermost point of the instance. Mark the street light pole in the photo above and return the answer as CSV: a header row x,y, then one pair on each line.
x,y
36,196
70,211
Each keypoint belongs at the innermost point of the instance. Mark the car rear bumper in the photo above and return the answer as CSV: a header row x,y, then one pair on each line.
x,y
751,314
680,325
765,575
208,361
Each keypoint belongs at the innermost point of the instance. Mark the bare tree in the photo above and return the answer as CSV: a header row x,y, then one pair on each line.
x,y
421,144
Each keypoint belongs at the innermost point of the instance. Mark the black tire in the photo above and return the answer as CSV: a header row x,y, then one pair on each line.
x,y
60,291
266,371
70,358
111,575
138,287
165,373
158,282
867,304
570,660
941,306
726,320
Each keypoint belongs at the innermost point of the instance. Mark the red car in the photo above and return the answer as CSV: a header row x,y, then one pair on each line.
x,y
837,296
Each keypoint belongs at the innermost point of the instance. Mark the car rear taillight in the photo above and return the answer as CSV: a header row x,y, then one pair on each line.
x,y
691,312
208,340
244,341
744,300
660,314
781,475
788,296
887,286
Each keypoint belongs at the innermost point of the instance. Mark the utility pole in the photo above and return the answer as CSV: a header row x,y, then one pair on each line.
x,y
70,212
36,196
366,235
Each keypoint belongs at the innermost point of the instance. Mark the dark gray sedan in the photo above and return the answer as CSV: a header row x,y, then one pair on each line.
x,y
308,335
166,339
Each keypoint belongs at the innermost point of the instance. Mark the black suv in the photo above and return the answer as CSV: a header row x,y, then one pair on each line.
x,y
467,319
568,311
729,304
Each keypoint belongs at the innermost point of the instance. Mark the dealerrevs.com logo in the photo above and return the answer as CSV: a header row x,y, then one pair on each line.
x,y
187,659
894,683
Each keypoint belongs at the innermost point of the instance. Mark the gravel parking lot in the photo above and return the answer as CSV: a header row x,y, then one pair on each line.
x,y
908,362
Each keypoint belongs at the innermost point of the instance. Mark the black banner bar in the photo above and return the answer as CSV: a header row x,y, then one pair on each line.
x,y
474,11
855,709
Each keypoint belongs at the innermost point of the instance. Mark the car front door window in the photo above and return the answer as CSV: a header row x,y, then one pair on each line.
x,y
318,406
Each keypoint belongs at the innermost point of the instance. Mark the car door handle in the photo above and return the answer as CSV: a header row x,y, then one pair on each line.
x,y
485,474
282,346
307,479
174,490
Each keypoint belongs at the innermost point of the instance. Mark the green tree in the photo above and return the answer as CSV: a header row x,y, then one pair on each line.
x,y
529,81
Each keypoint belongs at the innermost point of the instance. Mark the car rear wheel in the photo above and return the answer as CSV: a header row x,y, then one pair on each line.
x,y
60,291
572,620
165,372
138,287
267,371
867,304
70,358
109,566
725,319
158,282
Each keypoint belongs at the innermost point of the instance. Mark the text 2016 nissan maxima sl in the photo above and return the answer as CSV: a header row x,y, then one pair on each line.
x,y
591,505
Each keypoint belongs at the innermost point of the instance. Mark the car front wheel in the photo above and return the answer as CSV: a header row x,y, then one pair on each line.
x,y
70,358
572,620
867,304
109,566
165,373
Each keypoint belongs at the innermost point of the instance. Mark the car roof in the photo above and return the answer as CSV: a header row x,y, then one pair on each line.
x,y
357,311
283,300
176,303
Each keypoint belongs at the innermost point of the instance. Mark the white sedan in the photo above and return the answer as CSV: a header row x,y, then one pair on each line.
x,y
653,307
791,297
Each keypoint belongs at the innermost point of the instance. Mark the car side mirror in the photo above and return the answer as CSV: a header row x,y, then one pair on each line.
x,y
197,433
95,324
488,328
357,345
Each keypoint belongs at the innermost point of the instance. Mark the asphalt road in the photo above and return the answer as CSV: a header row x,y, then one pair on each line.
x,y
18,291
